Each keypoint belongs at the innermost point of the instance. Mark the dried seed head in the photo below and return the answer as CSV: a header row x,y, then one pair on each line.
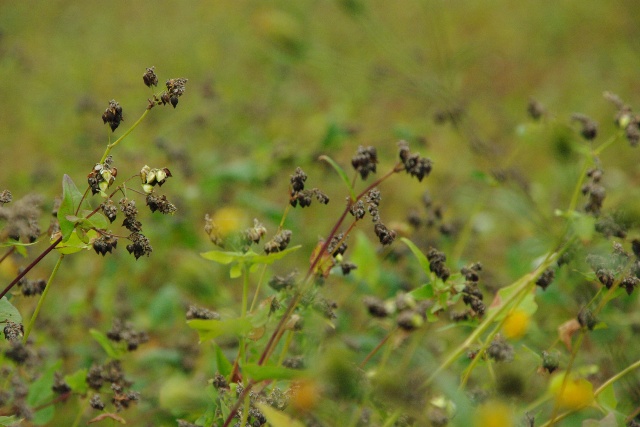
x,y
161,204
535,109
139,246
5,197
589,127
545,278
150,78
414,165
279,242
365,160
195,312
113,115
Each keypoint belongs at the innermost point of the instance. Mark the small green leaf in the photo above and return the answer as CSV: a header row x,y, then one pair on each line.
x,y
71,198
77,381
9,421
607,398
40,392
261,373
235,271
74,243
277,418
8,312
583,225
222,363
341,173
106,344
422,259
250,259
423,292
527,305
209,329
221,257
364,256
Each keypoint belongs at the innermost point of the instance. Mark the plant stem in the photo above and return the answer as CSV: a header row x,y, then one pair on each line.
x,y
124,135
41,300
377,348
521,285
30,266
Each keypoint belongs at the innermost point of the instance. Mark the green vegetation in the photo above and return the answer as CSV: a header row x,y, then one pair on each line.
x,y
338,213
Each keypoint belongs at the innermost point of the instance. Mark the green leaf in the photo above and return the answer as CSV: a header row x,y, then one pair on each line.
x,y
74,243
97,220
221,257
9,421
261,373
235,271
527,305
277,418
77,381
106,344
8,312
364,256
40,392
222,363
422,259
16,243
607,398
341,173
71,198
584,226
248,259
209,329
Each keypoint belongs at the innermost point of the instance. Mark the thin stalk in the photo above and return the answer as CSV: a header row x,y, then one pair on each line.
x,y
521,285
41,300
30,266
377,348
599,390
124,135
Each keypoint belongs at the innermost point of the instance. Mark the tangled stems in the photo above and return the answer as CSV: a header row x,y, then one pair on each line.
x,y
522,285
279,330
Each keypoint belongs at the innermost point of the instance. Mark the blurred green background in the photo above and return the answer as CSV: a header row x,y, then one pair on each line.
x,y
274,84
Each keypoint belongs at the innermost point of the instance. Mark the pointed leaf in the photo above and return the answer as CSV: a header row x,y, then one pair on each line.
x,y
77,381
261,373
341,173
222,363
422,259
364,256
209,329
8,312
106,344
74,243
71,198
40,392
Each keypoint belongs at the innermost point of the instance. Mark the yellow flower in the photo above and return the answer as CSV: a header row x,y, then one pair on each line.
x,y
516,324
493,414
577,392
229,219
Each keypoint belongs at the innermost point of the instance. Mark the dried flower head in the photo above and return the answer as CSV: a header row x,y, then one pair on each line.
x,y
113,115
589,127
150,78
161,204
279,242
365,160
414,165
139,246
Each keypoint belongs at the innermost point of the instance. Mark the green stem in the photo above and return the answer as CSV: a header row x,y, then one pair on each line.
x,y
41,300
521,285
124,135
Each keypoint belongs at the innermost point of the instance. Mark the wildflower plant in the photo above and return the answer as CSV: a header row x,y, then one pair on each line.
x,y
81,221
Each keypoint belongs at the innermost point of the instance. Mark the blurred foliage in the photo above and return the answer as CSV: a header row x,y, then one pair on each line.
x,y
274,84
